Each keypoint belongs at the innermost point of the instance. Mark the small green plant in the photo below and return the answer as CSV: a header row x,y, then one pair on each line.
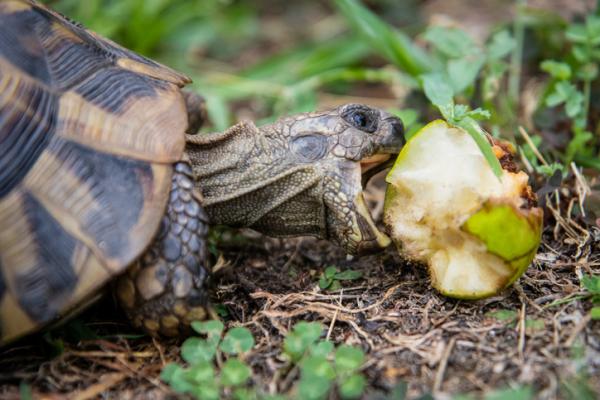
x,y
200,378
323,367
571,82
582,68
462,60
517,393
503,315
331,278
592,285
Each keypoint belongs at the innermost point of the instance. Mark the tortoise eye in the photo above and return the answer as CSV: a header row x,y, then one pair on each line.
x,y
361,118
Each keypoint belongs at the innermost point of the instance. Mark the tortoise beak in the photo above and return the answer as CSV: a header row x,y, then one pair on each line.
x,y
374,161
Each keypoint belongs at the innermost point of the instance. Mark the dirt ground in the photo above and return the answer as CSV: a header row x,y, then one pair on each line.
x,y
410,333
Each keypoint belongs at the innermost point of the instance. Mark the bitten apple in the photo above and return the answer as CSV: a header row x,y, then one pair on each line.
x,y
477,232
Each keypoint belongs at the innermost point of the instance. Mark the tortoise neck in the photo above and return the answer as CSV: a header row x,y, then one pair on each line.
x,y
247,179
222,162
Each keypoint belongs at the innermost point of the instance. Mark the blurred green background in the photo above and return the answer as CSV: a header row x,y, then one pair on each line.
x,y
529,63
251,59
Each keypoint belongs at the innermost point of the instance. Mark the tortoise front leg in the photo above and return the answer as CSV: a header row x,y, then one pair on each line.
x,y
196,110
167,288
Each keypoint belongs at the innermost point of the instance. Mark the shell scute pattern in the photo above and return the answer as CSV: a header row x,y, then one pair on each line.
x,y
89,132
27,123
42,286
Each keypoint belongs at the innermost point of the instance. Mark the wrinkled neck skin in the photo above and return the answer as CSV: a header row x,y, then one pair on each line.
x,y
284,183
249,178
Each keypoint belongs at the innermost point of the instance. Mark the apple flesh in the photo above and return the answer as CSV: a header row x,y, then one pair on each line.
x,y
444,206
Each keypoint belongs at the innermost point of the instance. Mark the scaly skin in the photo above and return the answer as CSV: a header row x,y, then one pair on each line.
x,y
298,176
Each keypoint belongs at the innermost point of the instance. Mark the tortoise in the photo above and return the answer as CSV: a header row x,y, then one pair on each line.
x,y
99,181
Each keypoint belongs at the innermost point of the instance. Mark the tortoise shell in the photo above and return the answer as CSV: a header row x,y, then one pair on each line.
x,y
88,134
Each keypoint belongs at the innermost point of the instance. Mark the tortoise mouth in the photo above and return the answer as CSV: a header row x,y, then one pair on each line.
x,y
374,161
371,166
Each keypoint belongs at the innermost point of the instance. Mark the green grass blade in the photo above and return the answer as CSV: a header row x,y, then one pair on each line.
x,y
277,67
307,60
335,53
479,136
386,76
395,46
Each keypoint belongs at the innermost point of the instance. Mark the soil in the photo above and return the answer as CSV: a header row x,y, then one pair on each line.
x,y
410,333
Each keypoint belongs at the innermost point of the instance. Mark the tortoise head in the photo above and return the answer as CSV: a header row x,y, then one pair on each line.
x,y
302,175
352,133
347,145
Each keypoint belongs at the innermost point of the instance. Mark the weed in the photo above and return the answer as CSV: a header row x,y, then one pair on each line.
x,y
592,285
322,366
152,27
570,83
200,378
331,278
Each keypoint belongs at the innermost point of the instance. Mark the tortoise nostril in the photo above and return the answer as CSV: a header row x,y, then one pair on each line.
x,y
397,128
394,138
